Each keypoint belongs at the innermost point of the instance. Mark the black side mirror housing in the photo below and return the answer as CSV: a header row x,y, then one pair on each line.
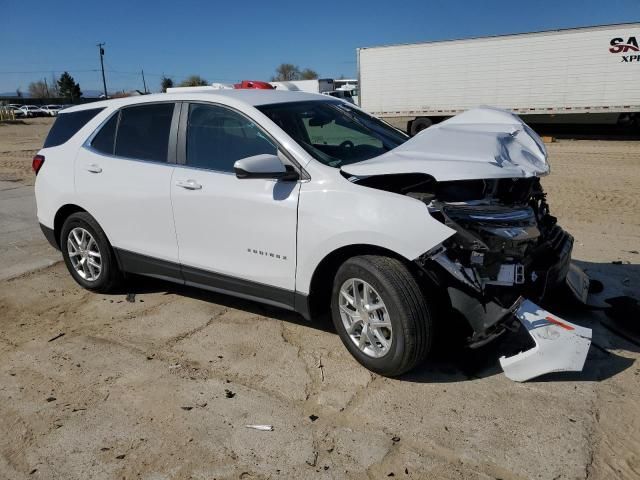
x,y
264,166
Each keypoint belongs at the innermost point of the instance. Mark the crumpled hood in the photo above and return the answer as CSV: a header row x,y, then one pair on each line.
x,y
480,143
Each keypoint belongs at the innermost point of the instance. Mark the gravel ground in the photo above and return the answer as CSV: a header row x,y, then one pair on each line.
x,y
162,384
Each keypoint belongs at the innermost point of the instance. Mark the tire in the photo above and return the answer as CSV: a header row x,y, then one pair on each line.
x,y
420,124
408,341
103,279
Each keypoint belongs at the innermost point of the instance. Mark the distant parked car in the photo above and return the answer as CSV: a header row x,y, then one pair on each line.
x,y
51,110
17,112
8,112
32,111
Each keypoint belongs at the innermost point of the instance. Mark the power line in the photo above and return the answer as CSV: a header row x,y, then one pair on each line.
x,y
111,70
49,71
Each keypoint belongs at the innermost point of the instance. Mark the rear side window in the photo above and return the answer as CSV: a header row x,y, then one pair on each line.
x,y
143,132
105,140
67,125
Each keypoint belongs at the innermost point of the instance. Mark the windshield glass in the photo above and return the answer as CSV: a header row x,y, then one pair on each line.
x,y
333,132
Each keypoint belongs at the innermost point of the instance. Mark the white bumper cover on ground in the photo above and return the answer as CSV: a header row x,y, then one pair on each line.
x,y
560,346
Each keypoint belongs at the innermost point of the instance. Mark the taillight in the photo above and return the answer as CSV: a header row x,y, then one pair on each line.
x,y
37,163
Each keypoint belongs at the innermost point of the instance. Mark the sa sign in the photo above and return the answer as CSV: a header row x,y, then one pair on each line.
x,y
618,45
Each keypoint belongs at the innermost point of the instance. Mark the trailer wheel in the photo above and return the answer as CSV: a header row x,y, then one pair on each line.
x,y
420,124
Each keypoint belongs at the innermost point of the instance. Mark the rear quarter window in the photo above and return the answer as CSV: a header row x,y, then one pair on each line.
x,y
104,140
67,125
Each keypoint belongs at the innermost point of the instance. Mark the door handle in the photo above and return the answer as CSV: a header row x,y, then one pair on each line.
x,y
93,168
189,184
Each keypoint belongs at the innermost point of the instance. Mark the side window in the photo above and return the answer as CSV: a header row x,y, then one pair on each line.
x,y
67,125
143,132
105,139
217,137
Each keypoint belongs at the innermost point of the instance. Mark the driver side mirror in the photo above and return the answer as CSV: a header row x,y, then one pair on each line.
x,y
264,166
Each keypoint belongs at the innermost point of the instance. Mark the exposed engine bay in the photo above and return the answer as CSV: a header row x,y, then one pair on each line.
x,y
507,247
505,234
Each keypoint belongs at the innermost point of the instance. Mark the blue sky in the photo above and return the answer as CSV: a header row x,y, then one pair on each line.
x,y
233,40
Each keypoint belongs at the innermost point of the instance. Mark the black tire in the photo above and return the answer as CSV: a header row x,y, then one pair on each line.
x,y
110,276
420,124
409,313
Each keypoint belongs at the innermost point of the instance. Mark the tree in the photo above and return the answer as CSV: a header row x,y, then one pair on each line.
x,y
193,81
38,89
308,74
53,87
165,82
286,72
18,92
68,87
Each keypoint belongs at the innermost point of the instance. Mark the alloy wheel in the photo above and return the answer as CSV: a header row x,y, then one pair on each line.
x,y
365,317
84,254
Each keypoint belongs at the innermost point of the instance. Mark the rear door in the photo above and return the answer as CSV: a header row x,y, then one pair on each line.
x,y
123,176
235,235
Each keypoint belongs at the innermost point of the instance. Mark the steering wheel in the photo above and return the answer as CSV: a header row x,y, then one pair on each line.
x,y
347,144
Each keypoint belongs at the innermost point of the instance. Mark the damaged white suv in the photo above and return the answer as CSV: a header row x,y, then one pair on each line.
x,y
306,202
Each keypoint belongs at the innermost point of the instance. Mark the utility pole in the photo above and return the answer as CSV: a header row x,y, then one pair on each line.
x,y
46,86
144,82
104,82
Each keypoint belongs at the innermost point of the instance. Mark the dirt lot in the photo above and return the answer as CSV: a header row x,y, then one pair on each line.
x,y
162,386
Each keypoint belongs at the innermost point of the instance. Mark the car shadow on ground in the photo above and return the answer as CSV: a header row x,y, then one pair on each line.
x,y
452,362
139,285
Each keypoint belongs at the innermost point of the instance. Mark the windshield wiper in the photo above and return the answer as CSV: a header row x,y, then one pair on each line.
x,y
319,154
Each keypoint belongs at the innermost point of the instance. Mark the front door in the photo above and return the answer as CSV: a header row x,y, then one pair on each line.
x,y
234,235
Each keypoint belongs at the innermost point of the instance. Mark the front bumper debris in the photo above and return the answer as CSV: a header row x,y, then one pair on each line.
x,y
560,346
578,282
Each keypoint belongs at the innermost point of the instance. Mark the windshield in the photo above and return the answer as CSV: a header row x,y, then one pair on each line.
x,y
334,133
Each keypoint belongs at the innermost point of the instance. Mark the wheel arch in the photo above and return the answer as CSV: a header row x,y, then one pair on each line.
x,y
64,212
322,278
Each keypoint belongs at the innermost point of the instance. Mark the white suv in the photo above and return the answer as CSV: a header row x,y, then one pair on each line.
x,y
51,110
305,202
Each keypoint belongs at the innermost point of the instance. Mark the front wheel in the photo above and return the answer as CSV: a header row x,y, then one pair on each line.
x,y
381,314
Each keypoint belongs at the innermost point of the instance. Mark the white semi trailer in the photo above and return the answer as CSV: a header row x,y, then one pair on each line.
x,y
578,75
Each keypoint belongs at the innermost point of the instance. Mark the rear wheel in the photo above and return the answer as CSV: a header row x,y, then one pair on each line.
x,y
381,315
88,254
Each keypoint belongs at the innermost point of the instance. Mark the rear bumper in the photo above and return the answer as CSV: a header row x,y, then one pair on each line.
x,y
50,235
